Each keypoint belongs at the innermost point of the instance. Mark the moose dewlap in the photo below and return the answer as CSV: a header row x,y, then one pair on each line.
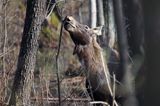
x,y
90,55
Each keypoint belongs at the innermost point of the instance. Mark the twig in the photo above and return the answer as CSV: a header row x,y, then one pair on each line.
x,y
59,10
47,89
41,86
51,6
57,99
106,74
6,52
57,65
114,85
5,3
116,104
71,93
100,102
90,88
113,96
50,9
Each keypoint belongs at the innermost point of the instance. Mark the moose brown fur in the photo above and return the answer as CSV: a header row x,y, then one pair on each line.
x,y
90,55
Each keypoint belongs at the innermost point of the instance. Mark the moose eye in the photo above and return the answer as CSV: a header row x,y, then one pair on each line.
x,y
86,27
67,19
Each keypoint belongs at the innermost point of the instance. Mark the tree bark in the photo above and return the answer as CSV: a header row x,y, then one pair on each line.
x,y
121,33
109,22
100,13
93,13
105,9
35,15
152,51
135,29
102,40
123,50
111,26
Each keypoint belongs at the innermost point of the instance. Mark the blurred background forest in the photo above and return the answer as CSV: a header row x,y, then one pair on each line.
x,y
44,90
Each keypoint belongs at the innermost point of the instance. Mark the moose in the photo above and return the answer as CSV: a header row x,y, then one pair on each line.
x,y
99,81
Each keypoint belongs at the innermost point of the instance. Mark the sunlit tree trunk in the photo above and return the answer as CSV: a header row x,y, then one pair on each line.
x,y
109,22
100,13
92,13
111,26
21,88
102,40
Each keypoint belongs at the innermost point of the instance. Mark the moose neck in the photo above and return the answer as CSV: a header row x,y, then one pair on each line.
x,y
90,57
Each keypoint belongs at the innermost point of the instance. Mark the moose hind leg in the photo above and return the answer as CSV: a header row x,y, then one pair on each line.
x,y
97,96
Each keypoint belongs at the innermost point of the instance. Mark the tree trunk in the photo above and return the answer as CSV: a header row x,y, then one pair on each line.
x,y
102,40
121,35
134,14
111,27
93,13
105,9
109,22
27,57
152,50
123,50
135,30
100,13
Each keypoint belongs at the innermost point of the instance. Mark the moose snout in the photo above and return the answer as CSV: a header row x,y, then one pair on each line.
x,y
69,18
69,23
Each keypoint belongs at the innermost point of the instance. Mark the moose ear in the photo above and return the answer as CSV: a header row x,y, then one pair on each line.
x,y
98,30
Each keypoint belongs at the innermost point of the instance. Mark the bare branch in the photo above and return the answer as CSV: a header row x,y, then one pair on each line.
x,y
100,102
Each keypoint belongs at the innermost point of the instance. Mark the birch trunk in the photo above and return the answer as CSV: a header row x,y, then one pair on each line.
x,y
93,13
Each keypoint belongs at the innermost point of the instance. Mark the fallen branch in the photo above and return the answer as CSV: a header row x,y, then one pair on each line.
x,y
66,99
100,102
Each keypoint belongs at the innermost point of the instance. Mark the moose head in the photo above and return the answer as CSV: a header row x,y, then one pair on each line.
x,y
80,34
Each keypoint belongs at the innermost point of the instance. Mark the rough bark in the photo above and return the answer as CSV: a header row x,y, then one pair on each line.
x,y
27,56
152,50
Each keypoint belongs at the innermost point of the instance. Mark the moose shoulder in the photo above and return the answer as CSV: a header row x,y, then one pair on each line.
x,y
90,55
